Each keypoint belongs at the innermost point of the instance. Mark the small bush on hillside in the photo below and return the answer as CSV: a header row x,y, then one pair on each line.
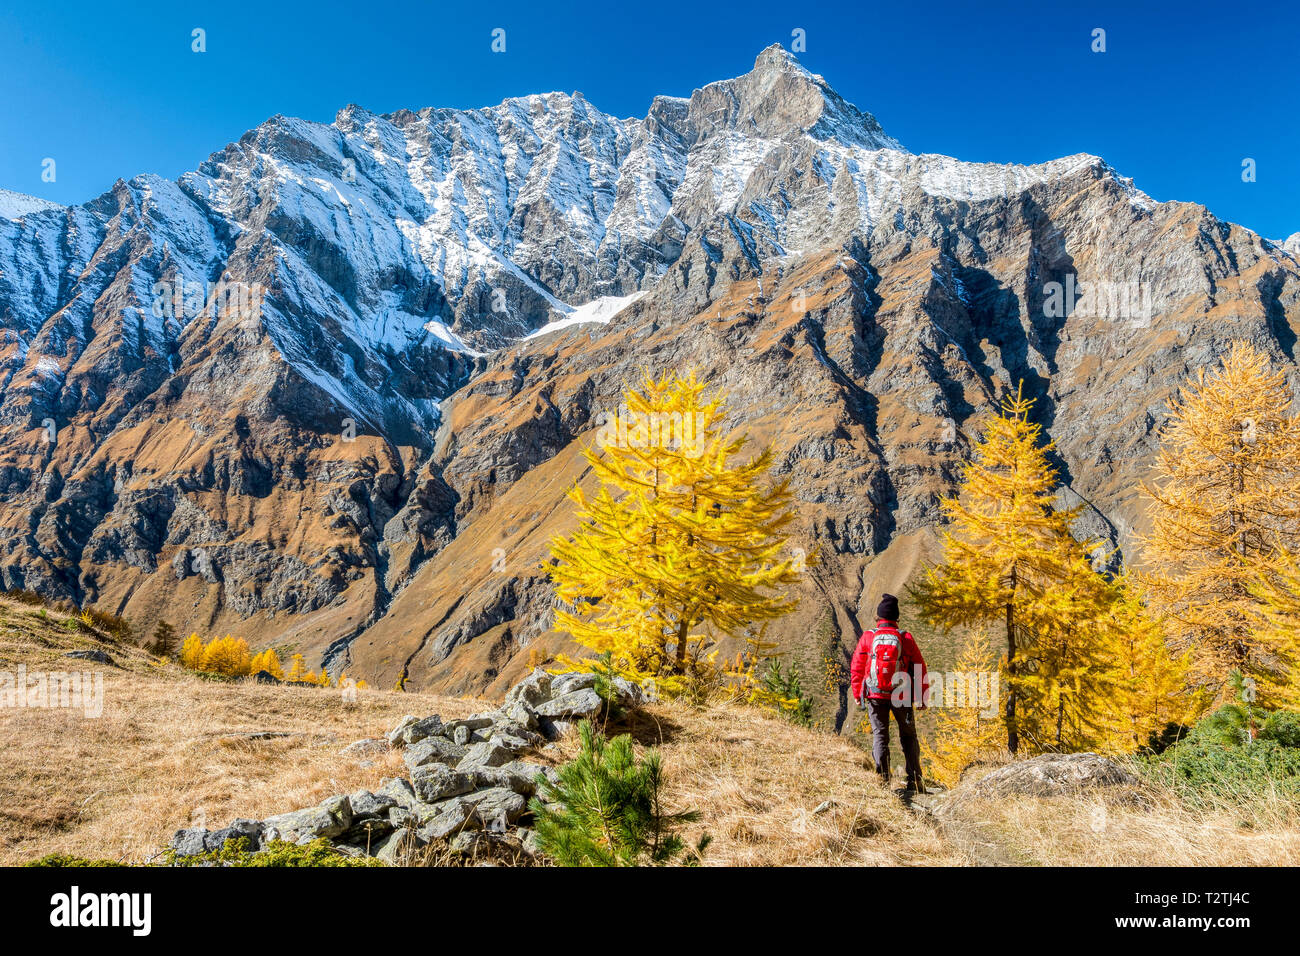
x,y
22,596
118,628
276,853
786,685
234,853
1238,753
1282,726
605,810
1205,774
64,860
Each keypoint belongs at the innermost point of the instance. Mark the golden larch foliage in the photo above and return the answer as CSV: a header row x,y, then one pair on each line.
x,y
1225,506
682,544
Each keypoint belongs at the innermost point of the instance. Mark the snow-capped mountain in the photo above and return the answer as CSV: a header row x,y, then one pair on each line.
x,y
307,375
16,205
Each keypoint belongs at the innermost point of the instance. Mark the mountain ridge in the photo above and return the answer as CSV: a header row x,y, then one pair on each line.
x,y
419,373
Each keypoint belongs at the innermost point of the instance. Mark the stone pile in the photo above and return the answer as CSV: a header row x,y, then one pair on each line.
x,y
468,781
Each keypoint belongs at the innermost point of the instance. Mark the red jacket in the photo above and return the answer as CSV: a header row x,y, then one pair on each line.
x,y
910,662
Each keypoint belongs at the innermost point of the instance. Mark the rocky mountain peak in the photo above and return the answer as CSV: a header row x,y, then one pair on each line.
x,y
327,373
779,98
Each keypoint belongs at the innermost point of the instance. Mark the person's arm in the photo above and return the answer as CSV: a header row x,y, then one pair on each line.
x,y
858,668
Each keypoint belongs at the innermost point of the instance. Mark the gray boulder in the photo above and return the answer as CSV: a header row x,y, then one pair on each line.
x,y
518,775
1052,775
400,791
401,817
568,683
451,817
486,754
250,830
394,848
476,722
433,750
628,693
368,747
497,806
368,833
553,728
99,657
583,702
421,729
366,804
434,782
528,841
189,842
514,742
395,735
531,691
329,819
518,712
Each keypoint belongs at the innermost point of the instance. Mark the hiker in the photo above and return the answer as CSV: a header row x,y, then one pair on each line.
x,y
888,662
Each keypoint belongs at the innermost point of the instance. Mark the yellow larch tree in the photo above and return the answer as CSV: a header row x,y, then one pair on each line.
x,y
1010,562
968,726
682,544
1276,624
192,652
267,661
298,672
1225,501
226,655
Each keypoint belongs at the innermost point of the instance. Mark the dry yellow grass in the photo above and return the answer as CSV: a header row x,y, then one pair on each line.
x,y
1091,831
117,786
167,752
758,781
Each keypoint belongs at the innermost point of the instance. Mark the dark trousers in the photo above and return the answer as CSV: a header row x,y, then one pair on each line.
x,y
879,711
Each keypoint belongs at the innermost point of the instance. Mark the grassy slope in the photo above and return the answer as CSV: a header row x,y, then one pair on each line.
x,y
120,784
117,786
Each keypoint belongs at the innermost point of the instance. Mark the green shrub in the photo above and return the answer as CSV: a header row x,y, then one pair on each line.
x,y
605,810
787,684
603,668
275,853
1282,726
1205,773
64,860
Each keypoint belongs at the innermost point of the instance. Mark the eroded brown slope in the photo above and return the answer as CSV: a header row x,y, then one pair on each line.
x,y
857,365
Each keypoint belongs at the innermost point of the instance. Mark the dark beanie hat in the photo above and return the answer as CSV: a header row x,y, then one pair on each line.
x,y
887,609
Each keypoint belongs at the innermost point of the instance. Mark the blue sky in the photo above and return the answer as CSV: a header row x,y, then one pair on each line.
x,y
1183,94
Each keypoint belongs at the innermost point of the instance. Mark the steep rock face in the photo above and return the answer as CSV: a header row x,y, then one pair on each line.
x,y
359,445
869,368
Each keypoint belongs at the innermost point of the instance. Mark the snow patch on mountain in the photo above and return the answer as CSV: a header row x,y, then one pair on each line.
x,y
600,310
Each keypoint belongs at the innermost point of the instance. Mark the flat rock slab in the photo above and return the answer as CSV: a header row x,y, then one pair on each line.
x,y
99,657
578,703
1052,775
433,750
